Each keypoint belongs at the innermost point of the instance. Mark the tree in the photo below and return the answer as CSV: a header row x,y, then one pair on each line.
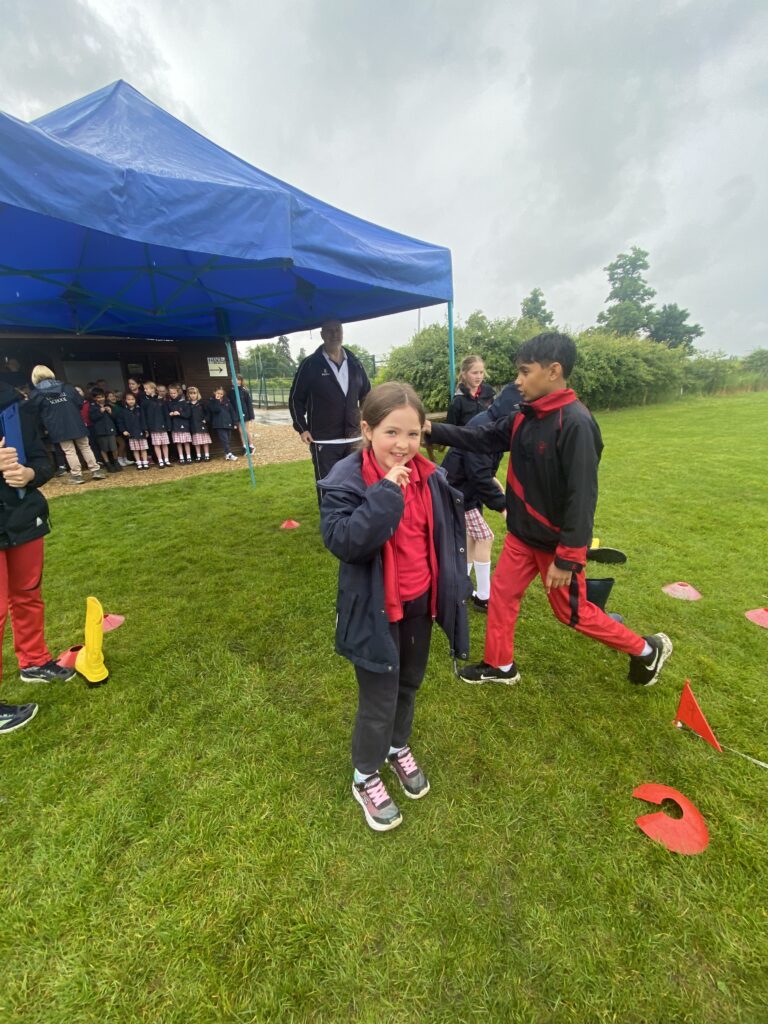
x,y
366,358
630,310
535,308
668,326
757,362
302,354
283,349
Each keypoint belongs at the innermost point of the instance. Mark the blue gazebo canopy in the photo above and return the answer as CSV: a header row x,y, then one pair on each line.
x,y
116,218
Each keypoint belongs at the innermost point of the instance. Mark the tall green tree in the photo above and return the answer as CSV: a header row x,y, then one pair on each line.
x,y
630,309
669,326
533,307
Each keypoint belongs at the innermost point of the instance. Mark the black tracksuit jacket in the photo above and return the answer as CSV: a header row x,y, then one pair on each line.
x,y
464,405
474,473
317,402
555,447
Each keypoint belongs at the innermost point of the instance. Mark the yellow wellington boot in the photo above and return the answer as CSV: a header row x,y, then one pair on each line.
x,y
90,660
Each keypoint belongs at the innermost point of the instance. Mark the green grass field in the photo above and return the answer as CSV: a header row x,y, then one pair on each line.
x,y
181,845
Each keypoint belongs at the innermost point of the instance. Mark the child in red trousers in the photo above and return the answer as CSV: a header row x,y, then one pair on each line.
x,y
551,494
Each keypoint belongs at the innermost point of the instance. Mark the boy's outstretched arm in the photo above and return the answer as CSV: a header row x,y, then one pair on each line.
x,y
491,437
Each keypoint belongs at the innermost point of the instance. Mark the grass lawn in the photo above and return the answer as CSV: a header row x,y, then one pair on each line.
x,y
181,845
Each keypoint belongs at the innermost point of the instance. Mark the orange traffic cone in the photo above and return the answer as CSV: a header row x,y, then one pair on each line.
x,y
90,660
68,658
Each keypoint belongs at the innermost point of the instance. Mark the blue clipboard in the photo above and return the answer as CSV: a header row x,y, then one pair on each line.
x,y
10,428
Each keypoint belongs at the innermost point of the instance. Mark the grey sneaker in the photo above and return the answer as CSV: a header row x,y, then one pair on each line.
x,y
413,780
14,716
51,672
76,478
380,810
98,475
485,673
645,671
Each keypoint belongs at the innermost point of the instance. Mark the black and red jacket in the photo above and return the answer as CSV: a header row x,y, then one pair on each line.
x,y
555,447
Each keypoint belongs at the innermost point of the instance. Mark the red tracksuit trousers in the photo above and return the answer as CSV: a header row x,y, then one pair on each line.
x,y
21,572
516,568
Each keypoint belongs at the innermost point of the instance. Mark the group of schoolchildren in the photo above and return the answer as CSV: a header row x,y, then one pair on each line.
x,y
408,533
103,427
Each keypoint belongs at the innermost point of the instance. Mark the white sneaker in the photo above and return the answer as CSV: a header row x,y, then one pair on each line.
x,y
231,457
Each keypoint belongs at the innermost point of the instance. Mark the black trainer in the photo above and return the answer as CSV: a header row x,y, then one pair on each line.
x,y
485,673
645,671
14,716
50,672
480,603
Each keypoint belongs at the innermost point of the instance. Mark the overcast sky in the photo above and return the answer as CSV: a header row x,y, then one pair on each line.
x,y
535,139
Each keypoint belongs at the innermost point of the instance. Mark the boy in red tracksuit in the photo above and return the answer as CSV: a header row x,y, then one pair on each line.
x,y
551,494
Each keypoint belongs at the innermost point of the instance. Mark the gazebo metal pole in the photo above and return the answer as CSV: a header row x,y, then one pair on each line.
x,y
222,321
451,352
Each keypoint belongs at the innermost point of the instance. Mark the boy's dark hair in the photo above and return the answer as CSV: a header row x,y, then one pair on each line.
x,y
549,348
95,392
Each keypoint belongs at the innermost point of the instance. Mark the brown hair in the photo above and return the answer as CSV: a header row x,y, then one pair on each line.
x,y
385,398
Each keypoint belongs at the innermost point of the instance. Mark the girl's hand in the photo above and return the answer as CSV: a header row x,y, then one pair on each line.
x,y
399,475
14,474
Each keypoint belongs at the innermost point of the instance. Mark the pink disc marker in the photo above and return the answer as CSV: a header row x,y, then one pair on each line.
x,y
289,524
682,591
111,621
759,616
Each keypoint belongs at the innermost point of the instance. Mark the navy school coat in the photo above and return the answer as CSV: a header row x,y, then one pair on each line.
x,y
355,522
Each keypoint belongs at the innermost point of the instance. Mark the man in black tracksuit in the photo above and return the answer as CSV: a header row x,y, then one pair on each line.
x,y
326,394
551,494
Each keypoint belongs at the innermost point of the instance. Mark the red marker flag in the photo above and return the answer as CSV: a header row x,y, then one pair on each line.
x,y
689,713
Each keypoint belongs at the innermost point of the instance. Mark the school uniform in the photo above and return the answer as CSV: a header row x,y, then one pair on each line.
x,y
466,404
104,427
157,419
222,417
389,594
551,494
180,431
133,423
198,423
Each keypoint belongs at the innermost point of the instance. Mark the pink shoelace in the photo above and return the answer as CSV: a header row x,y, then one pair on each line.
x,y
377,791
406,761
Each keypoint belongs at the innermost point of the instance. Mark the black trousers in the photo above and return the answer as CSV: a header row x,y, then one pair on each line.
x,y
223,436
325,457
386,700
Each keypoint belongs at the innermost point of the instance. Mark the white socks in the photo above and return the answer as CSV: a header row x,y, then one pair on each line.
x,y
483,577
646,650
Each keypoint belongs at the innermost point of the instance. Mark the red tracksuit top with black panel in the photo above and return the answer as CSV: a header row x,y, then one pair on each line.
x,y
555,447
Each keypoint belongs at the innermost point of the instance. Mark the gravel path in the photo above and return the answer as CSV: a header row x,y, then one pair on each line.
x,y
273,444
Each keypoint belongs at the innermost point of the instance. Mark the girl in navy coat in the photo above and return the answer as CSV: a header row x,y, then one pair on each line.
x,y
223,420
158,422
397,527
133,427
178,410
198,419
